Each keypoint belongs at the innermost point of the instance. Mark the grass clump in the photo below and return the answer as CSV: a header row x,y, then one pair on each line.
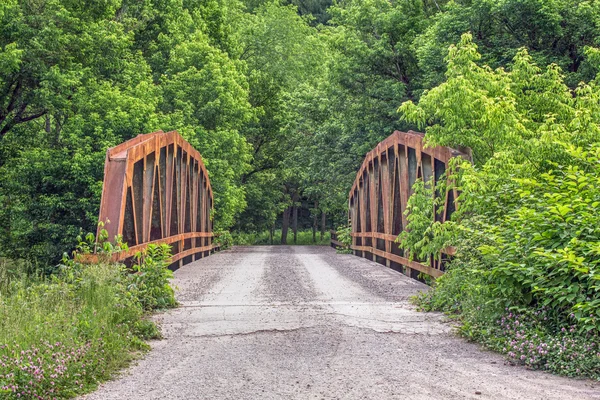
x,y
62,335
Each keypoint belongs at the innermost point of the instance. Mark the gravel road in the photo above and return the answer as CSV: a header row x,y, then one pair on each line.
x,y
284,322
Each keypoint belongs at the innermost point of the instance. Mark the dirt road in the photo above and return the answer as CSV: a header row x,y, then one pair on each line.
x,y
279,322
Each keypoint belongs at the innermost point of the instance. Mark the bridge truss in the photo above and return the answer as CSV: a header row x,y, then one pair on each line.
x,y
157,190
380,194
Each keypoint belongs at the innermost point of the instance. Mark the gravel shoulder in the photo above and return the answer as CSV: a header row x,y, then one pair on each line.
x,y
282,322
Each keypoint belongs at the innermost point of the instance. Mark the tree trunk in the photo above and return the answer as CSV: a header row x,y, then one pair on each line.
x,y
285,224
295,224
314,227
271,234
323,222
47,125
295,199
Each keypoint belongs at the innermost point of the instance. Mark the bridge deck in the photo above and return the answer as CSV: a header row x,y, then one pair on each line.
x,y
304,322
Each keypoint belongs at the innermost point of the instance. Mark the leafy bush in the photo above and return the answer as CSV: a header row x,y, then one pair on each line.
x,y
525,280
548,246
344,236
529,254
224,239
151,278
424,236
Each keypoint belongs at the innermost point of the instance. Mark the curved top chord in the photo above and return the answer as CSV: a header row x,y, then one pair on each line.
x,y
410,139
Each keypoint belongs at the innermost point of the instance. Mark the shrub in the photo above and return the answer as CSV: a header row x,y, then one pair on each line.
x,y
424,236
527,271
151,278
224,239
344,236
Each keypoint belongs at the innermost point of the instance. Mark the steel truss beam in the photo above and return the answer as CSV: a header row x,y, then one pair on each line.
x,y
157,190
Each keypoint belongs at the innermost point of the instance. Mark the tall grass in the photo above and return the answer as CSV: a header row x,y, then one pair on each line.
x,y
304,238
61,335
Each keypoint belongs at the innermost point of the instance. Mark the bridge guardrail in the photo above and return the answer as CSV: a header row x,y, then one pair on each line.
x,y
335,243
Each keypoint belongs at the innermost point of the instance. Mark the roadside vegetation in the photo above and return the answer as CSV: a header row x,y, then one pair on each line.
x,y
303,238
525,280
62,335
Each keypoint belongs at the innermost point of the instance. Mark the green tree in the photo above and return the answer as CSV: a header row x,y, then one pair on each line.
x,y
90,91
554,31
519,113
283,54
206,99
79,79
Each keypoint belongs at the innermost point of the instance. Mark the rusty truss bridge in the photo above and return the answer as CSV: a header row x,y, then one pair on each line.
x,y
157,190
380,193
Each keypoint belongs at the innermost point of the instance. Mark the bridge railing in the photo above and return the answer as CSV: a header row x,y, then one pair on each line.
x,y
157,190
380,194
334,242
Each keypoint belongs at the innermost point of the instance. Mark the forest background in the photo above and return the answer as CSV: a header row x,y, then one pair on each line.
x,y
283,99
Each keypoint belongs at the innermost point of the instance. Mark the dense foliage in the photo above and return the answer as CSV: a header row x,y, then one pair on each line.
x,y
525,279
282,98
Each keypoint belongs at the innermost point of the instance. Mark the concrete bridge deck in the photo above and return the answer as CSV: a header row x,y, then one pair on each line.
x,y
282,322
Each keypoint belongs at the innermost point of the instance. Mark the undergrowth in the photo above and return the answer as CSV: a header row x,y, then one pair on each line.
x,y
526,277
304,238
61,335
